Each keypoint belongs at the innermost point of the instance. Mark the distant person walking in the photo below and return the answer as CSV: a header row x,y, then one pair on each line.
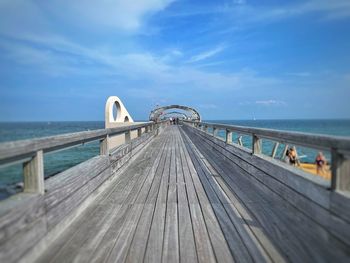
x,y
320,163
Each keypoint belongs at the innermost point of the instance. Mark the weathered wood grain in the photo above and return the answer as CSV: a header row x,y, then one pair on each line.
x,y
302,139
312,232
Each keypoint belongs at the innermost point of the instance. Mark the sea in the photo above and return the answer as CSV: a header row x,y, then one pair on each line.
x,y
11,177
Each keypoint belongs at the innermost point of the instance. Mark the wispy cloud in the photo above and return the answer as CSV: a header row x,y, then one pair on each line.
x,y
126,16
207,54
271,102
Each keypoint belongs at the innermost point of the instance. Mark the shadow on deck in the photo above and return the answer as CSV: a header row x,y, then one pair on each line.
x,y
183,200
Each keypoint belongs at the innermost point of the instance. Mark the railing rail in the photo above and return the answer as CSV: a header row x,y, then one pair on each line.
x,y
30,152
16,150
338,146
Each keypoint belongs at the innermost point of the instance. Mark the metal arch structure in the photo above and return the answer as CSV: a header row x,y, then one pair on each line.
x,y
164,114
193,114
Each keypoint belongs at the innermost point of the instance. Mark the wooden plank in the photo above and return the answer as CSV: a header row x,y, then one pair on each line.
x,y
321,216
204,247
187,245
139,243
286,212
121,246
171,242
172,191
22,222
190,189
154,248
233,238
201,194
85,239
110,244
218,240
148,168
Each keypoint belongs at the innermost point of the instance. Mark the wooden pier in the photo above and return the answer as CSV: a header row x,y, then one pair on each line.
x,y
176,193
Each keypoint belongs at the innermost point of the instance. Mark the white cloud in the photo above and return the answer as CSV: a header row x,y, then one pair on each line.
x,y
32,16
206,54
271,102
119,14
58,56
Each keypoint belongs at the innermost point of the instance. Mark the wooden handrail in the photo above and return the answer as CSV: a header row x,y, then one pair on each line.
x,y
317,141
30,152
338,146
17,150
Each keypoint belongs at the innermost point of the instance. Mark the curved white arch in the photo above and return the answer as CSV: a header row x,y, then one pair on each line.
x,y
122,113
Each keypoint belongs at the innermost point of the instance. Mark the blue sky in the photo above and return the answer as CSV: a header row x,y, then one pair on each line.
x,y
237,59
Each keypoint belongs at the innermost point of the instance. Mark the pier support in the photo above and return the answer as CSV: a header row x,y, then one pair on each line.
x,y
33,172
228,137
340,171
274,150
240,142
256,144
127,136
139,132
215,131
104,146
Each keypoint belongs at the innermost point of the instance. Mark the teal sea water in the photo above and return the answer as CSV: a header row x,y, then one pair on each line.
x,y
55,162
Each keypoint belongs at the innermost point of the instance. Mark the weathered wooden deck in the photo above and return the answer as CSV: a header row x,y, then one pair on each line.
x,y
181,200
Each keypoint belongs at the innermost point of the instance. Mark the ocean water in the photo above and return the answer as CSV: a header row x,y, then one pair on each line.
x,y
55,162
10,176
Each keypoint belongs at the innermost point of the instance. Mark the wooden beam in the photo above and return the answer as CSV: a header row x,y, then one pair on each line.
x,y
228,137
340,171
256,144
33,172
139,132
240,141
274,150
104,146
284,152
127,137
215,131
316,141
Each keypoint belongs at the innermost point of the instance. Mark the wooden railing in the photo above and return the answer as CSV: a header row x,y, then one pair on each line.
x,y
31,152
339,147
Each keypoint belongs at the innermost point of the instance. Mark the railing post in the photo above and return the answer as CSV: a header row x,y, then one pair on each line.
x,y
340,171
156,126
274,150
139,132
228,137
284,152
256,144
240,142
127,136
33,172
215,131
104,146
